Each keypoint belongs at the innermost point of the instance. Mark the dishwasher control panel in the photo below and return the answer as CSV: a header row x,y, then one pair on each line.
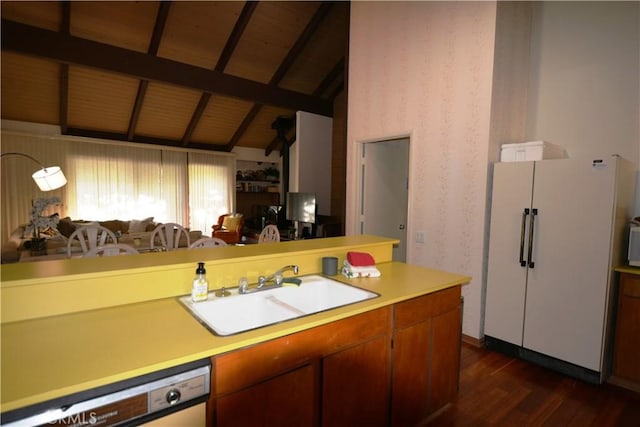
x,y
179,392
141,397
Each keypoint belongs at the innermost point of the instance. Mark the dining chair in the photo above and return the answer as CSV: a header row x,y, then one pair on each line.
x,y
207,242
168,236
111,249
269,234
89,237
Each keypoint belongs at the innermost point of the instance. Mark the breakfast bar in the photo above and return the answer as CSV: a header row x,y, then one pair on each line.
x,y
69,326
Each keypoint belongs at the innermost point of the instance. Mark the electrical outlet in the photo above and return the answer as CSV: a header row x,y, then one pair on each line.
x,y
420,237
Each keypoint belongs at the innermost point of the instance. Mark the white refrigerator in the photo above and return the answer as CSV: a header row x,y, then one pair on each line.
x,y
557,231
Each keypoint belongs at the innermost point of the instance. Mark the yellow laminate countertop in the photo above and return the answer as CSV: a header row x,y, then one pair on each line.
x,y
50,288
51,357
627,269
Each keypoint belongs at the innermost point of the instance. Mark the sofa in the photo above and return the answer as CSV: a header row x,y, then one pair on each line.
x,y
57,239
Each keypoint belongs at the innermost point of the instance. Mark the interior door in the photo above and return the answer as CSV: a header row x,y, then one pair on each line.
x,y
567,288
506,276
385,192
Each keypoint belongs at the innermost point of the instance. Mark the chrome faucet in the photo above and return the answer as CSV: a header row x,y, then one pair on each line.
x,y
276,277
263,281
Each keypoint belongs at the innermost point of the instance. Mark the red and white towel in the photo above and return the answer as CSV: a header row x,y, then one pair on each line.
x,y
359,264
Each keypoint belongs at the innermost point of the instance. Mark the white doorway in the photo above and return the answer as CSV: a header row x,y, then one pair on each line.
x,y
385,193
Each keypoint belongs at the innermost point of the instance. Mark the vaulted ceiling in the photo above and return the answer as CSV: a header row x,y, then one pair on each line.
x,y
196,74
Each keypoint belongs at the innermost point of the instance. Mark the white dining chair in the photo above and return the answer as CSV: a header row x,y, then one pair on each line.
x,y
269,234
207,242
89,237
111,249
168,236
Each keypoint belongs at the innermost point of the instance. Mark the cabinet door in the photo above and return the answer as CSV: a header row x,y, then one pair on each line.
x,y
567,288
410,388
355,385
426,356
627,346
506,277
445,358
287,400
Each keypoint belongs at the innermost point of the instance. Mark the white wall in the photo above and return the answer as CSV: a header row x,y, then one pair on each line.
x,y
426,69
584,79
310,161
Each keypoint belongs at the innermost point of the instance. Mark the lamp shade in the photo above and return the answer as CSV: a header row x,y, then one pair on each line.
x,y
49,178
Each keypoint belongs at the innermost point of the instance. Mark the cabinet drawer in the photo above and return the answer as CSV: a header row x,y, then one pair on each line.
x,y
630,286
247,366
417,310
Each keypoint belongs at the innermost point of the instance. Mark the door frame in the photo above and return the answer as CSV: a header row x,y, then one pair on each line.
x,y
359,185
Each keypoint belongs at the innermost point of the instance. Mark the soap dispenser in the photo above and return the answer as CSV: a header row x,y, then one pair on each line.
x,y
200,289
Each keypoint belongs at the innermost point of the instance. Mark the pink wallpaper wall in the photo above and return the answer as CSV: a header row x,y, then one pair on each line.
x,y
424,70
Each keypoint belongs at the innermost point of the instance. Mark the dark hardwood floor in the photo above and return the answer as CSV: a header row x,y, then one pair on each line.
x,y
498,390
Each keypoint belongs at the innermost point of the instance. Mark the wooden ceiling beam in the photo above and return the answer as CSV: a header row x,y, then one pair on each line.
x,y
154,44
336,72
227,51
337,90
285,65
244,125
114,136
277,141
236,34
68,49
63,106
301,42
195,117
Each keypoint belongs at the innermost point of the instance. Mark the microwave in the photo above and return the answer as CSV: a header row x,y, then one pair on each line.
x,y
633,254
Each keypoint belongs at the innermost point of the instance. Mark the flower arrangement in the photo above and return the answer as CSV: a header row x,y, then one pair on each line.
x,y
38,222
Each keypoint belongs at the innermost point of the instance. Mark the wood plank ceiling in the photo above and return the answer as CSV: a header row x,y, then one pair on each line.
x,y
197,74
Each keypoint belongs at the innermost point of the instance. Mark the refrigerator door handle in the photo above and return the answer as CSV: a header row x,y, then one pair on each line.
x,y
525,212
534,212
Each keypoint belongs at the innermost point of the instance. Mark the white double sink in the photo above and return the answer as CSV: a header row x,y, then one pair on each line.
x,y
242,312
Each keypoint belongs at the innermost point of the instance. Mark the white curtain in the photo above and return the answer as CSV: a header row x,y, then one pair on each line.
x,y
116,181
174,188
211,189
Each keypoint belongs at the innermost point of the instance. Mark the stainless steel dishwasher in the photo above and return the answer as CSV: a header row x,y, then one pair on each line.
x,y
126,403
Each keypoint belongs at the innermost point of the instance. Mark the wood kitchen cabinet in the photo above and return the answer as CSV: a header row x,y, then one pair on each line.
x,y
319,368
355,385
426,355
626,355
395,364
288,399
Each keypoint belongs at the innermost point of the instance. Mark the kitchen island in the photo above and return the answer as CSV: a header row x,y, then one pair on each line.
x,y
73,325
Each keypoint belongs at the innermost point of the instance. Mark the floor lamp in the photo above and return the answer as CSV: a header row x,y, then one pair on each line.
x,y
47,178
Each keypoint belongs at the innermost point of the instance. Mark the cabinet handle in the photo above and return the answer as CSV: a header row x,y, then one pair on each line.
x,y
534,212
523,263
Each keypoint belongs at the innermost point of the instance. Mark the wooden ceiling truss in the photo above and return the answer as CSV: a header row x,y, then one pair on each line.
x,y
316,41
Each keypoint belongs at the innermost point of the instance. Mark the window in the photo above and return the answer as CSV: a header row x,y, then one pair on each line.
x,y
211,188
118,181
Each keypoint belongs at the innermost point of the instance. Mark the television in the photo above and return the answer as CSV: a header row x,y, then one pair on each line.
x,y
301,207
